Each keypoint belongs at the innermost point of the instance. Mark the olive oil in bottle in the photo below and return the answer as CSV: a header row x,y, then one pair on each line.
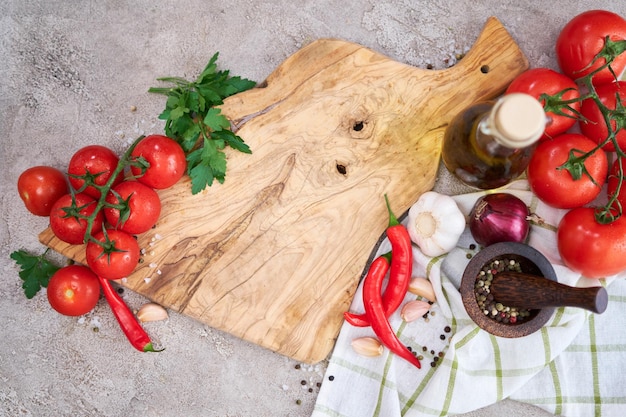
x,y
489,144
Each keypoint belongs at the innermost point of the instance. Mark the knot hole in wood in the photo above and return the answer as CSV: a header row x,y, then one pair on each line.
x,y
359,127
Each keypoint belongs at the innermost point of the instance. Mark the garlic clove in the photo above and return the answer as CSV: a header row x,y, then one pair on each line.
x,y
367,346
151,312
413,310
422,287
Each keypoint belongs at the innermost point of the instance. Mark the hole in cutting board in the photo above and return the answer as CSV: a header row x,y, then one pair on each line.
x,y
341,169
358,126
484,69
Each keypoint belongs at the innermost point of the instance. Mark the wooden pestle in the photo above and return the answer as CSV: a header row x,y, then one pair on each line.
x,y
534,292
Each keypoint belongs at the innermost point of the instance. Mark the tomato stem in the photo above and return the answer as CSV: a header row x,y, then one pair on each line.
x,y
575,164
124,162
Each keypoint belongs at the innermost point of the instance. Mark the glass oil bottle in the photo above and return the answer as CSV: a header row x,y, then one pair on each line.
x,y
489,144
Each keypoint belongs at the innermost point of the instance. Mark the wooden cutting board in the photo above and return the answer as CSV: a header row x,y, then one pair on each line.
x,y
274,255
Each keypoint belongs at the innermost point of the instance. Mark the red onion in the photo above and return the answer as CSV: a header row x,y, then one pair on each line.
x,y
499,217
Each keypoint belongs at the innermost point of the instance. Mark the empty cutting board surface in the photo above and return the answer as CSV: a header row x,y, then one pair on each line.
x,y
274,255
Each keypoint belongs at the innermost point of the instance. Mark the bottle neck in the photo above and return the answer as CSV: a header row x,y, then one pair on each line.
x,y
488,139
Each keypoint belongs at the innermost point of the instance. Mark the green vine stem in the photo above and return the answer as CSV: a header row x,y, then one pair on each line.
x,y
575,164
124,162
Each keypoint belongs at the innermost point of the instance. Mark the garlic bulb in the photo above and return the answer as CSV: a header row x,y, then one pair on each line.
x,y
435,223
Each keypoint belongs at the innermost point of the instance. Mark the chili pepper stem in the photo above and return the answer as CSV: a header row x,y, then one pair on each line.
x,y
393,220
150,348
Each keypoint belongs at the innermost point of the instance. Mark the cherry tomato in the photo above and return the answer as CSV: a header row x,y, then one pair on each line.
x,y
141,212
612,183
166,158
93,160
557,187
73,290
538,81
39,187
595,250
115,258
66,221
583,37
595,128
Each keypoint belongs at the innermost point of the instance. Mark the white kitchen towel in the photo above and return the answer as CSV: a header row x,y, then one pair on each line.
x,y
574,366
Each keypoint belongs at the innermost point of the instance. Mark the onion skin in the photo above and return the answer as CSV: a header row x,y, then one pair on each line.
x,y
499,217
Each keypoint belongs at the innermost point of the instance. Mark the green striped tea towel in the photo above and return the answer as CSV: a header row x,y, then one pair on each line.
x,y
573,366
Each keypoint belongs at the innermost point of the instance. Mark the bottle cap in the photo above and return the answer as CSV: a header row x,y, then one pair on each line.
x,y
518,119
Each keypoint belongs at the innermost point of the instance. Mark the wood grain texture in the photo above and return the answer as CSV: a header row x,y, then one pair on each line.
x,y
274,255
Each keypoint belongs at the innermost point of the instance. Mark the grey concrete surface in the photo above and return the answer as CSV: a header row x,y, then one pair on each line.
x,y
70,73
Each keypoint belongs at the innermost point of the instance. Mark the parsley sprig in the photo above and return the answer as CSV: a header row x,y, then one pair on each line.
x,y
193,119
35,271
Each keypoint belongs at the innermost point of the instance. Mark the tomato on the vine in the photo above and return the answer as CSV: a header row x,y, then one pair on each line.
x,y
94,161
67,220
39,187
593,249
141,211
538,81
595,126
73,290
166,158
115,257
583,38
556,186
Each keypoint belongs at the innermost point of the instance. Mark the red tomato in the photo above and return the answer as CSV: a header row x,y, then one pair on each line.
x,y
583,37
614,180
166,158
538,81
96,161
596,127
115,258
66,219
139,214
39,187
73,290
595,250
557,187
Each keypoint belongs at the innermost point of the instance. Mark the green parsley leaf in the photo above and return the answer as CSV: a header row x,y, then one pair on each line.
x,y
36,271
192,118
214,119
232,140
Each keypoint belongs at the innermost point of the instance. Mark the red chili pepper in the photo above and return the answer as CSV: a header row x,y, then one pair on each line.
x,y
372,298
127,320
400,274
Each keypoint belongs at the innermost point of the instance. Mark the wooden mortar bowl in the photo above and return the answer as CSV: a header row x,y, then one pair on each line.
x,y
532,262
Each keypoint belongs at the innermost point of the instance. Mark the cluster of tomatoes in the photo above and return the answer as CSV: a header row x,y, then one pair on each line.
x,y
579,162
104,201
